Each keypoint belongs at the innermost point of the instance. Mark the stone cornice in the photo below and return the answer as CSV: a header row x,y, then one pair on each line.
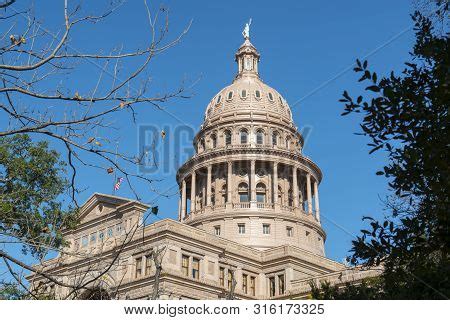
x,y
258,153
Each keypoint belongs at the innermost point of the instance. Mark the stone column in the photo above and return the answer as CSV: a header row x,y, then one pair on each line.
x,y
308,191
193,192
294,186
208,187
252,181
229,181
179,209
275,182
183,199
316,200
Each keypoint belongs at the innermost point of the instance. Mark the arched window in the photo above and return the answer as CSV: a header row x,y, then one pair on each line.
x,y
258,94
259,137
219,98
227,137
244,93
213,141
270,96
202,144
288,143
261,192
244,137
230,95
243,192
274,138
281,100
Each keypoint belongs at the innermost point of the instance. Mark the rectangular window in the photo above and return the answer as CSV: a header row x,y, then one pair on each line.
x,y
110,232
230,279
138,267
222,276
185,265
252,286
289,231
217,230
101,235
119,229
244,283
241,228
266,228
84,241
272,286
93,238
148,264
281,284
195,268
243,197
260,197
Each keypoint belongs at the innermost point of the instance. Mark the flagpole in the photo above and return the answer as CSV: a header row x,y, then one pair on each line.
x,y
115,169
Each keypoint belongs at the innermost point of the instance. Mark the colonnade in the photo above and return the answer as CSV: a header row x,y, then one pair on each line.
x,y
312,192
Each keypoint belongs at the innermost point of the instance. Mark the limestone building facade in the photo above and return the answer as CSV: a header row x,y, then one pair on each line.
x,y
248,220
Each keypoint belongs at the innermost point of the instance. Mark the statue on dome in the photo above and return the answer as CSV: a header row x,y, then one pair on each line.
x,y
246,31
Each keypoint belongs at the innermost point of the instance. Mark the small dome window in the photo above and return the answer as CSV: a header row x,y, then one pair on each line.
x,y
270,96
244,93
259,137
218,99
258,94
214,141
281,100
227,137
274,138
230,95
244,137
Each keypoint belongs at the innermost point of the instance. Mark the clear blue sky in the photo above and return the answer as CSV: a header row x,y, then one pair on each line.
x,y
307,51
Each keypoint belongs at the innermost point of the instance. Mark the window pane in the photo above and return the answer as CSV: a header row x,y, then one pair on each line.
x,y
222,276
252,286
227,138
281,284
195,268
185,265
84,241
259,138
244,283
243,197
274,139
243,137
272,286
260,197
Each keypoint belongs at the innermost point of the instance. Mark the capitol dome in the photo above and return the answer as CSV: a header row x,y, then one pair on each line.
x,y
248,180
248,93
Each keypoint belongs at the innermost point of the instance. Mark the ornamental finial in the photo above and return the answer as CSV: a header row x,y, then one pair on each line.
x,y
246,31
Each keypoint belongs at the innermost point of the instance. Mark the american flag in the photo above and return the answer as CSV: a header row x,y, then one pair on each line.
x,y
117,184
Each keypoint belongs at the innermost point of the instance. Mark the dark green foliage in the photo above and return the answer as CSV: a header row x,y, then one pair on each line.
x,y
407,116
11,291
31,183
368,289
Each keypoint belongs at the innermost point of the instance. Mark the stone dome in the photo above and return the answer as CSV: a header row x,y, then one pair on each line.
x,y
248,92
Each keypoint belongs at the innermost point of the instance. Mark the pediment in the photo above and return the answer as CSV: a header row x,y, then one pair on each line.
x,y
100,205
